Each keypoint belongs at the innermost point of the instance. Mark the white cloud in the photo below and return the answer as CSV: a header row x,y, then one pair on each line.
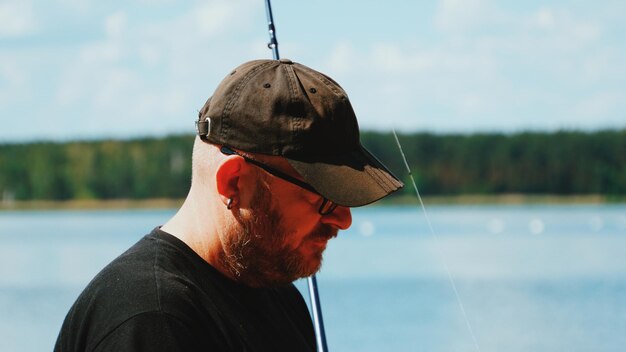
x,y
94,54
215,16
150,54
544,18
13,81
464,15
115,24
16,18
603,65
221,16
156,2
341,58
562,28
602,103
142,76
11,73
114,86
485,66
528,74
393,58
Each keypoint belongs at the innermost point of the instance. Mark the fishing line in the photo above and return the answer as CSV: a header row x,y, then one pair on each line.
x,y
436,236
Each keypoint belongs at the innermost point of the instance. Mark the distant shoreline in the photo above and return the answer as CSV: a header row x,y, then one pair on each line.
x,y
512,198
93,204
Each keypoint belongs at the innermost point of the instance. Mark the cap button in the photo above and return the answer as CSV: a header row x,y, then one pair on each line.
x,y
286,61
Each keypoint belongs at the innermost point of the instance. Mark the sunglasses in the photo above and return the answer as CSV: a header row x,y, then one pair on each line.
x,y
325,208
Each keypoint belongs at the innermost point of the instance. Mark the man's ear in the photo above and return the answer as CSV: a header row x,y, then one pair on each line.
x,y
228,177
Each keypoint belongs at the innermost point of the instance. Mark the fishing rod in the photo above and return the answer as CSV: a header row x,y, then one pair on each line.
x,y
316,307
273,43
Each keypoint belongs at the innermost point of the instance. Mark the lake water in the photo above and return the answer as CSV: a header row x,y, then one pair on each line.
x,y
531,278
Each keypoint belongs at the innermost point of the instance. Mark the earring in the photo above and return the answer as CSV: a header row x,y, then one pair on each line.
x,y
229,205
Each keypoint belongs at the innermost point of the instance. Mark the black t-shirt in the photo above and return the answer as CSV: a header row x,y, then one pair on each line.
x,y
161,296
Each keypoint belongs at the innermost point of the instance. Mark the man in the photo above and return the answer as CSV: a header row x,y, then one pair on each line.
x,y
276,166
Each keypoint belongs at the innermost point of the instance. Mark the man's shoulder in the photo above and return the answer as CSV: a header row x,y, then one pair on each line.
x,y
148,275
160,286
147,280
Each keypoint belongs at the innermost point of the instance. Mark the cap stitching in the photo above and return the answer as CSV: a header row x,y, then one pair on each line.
x,y
332,86
389,178
379,180
236,93
375,176
388,181
376,179
296,122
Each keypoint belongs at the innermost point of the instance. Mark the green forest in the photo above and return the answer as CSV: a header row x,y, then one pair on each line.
x,y
560,163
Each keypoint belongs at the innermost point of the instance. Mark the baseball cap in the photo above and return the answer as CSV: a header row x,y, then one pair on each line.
x,y
283,108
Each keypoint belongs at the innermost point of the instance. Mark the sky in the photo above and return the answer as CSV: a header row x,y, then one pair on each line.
x,y
87,69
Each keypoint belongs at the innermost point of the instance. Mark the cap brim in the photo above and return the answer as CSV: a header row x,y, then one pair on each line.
x,y
352,179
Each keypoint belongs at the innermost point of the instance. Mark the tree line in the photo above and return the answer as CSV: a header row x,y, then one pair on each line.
x,y
564,162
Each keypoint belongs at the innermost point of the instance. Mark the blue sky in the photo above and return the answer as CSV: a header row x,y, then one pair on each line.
x,y
82,69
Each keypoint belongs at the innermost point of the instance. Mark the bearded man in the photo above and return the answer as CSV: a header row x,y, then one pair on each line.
x,y
277,164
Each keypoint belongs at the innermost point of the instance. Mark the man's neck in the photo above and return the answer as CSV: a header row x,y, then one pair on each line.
x,y
198,228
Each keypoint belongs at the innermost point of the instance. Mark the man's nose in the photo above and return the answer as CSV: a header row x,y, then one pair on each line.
x,y
341,218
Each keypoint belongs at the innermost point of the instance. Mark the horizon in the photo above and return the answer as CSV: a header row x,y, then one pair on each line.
x,y
100,139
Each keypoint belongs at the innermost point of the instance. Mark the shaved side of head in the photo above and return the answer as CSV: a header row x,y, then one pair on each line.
x,y
204,160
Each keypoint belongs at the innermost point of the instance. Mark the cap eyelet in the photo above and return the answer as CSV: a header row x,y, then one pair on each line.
x,y
313,90
267,85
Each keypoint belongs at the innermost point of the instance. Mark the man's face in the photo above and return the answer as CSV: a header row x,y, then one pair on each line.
x,y
278,240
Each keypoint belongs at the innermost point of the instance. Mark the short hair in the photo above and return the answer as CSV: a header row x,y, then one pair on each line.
x,y
204,159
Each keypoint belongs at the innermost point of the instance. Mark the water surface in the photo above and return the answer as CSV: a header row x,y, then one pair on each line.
x,y
531,278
